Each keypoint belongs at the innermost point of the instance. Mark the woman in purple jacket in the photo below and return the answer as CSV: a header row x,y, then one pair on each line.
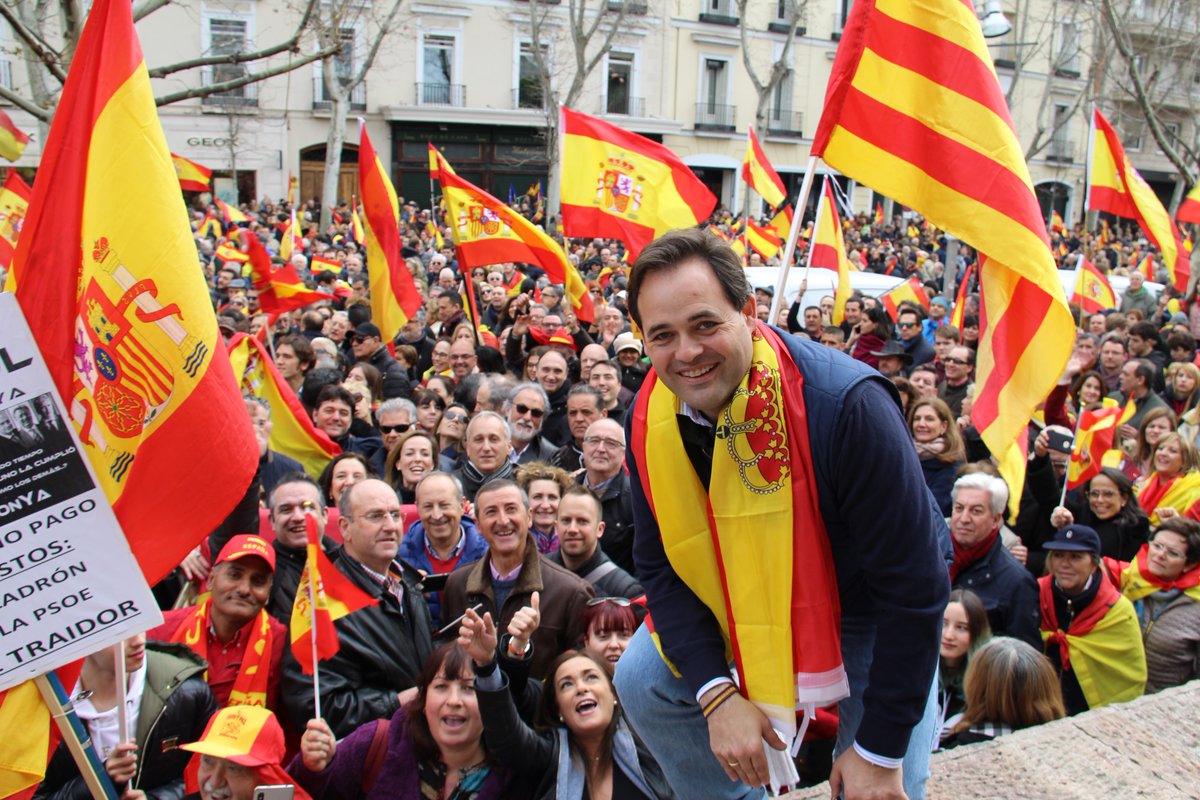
x,y
432,747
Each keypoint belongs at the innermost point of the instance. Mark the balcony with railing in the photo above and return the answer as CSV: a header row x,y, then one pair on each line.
x,y
719,12
1152,21
785,123
714,117
243,96
442,94
626,106
638,7
323,99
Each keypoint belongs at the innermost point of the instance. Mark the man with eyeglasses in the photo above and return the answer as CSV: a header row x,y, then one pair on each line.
x,y
462,358
908,328
381,647
504,581
525,411
585,405
367,345
958,362
603,473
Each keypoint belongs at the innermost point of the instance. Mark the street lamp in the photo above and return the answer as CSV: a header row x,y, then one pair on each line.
x,y
994,23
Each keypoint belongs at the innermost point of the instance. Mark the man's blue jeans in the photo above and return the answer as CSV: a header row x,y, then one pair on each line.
x,y
664,713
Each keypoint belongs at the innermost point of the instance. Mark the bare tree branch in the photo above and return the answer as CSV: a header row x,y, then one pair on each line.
x,y
25,104
148,7
47,54
237,83
384,29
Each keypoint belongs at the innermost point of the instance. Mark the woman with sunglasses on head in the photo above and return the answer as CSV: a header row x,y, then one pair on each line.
x,y
581,745
451,430
609,623
1163,583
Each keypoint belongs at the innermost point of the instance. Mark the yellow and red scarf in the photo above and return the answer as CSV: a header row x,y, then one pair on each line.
x,y
1180,493
1135,580
513,285
1103,647
754,543
250,685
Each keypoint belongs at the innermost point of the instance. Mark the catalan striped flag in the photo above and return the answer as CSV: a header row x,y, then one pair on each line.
x,y
1094,438
760,175
829,249
764,241
279,290
1116,187
231,214
1189,209
619,185
323,588
915,111
12,138
394,295
1093,292
487,231
193,177
910,291
14,205
292,430
960,299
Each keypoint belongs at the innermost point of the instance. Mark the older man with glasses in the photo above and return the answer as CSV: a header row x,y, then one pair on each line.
x,y
382,646
604,474
525,411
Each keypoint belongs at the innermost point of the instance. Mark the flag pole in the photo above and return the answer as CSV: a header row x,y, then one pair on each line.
x,y
311,526
789,249
1087,189
1062,500
122,688
76,737
816,227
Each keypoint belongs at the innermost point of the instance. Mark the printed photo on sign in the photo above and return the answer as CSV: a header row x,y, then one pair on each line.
x,y
39,464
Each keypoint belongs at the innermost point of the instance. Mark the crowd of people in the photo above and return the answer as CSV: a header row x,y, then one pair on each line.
x,y
494,496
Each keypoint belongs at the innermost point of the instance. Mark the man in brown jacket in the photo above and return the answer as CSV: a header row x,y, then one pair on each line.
x,y
503,581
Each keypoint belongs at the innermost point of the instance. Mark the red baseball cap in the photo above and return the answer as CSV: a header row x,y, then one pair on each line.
x,y
247,544
246,735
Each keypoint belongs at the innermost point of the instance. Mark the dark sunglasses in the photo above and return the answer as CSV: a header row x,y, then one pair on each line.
x,y
358,339
623,602
954,360
536,413
401,428
454,416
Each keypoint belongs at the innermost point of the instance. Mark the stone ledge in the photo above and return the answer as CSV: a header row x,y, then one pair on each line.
x,y
1148,749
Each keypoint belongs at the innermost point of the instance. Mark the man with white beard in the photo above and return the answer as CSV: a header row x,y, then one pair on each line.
x,y
525,410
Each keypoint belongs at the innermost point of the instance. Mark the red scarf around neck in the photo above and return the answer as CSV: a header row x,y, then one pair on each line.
x,y
964,557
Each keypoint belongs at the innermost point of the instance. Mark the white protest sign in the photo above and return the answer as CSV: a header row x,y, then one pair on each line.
x,y
69,584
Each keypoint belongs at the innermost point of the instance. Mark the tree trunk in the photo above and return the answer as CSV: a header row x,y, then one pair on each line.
x,y
339,109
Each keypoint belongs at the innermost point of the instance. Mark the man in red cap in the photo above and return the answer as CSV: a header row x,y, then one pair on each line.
x,y
242,747
230,628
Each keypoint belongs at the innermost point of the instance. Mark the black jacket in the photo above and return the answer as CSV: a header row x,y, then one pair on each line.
x,y
540,449
289,563
616,504
554,428
176,705
1009,593
381,651
603,574
395,376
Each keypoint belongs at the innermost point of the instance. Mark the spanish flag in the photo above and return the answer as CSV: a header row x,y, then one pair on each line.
x,y
12,138
879,213
230,214
829,249
292,430
1116,187
1056,223
193,177
915,111
293,189
760,175
121,314
228,251
210,226
1146,267
291,240
323,588
356,226
781,223
1092,290
435,234
1093,439
911,291
279,290
960,299
394,295
438,163
487,231
1189,209
764,240
14,205
623,186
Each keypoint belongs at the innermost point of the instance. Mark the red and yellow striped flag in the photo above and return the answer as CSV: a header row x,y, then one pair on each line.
x,y
193,177
1189,209
1146,267
915,111
1092,290
12,138
487,231
619,185
910,291
879,213
210,226
437,163
1093,439
281,289
14,205
356,226
781,223
1116,187
333,596
394,295
1057,225
291,240
121,314
764,241
829,249
960,298
292,430
230,213
760,175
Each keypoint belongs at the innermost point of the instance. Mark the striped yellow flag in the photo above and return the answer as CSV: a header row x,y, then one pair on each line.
x,y
914,110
